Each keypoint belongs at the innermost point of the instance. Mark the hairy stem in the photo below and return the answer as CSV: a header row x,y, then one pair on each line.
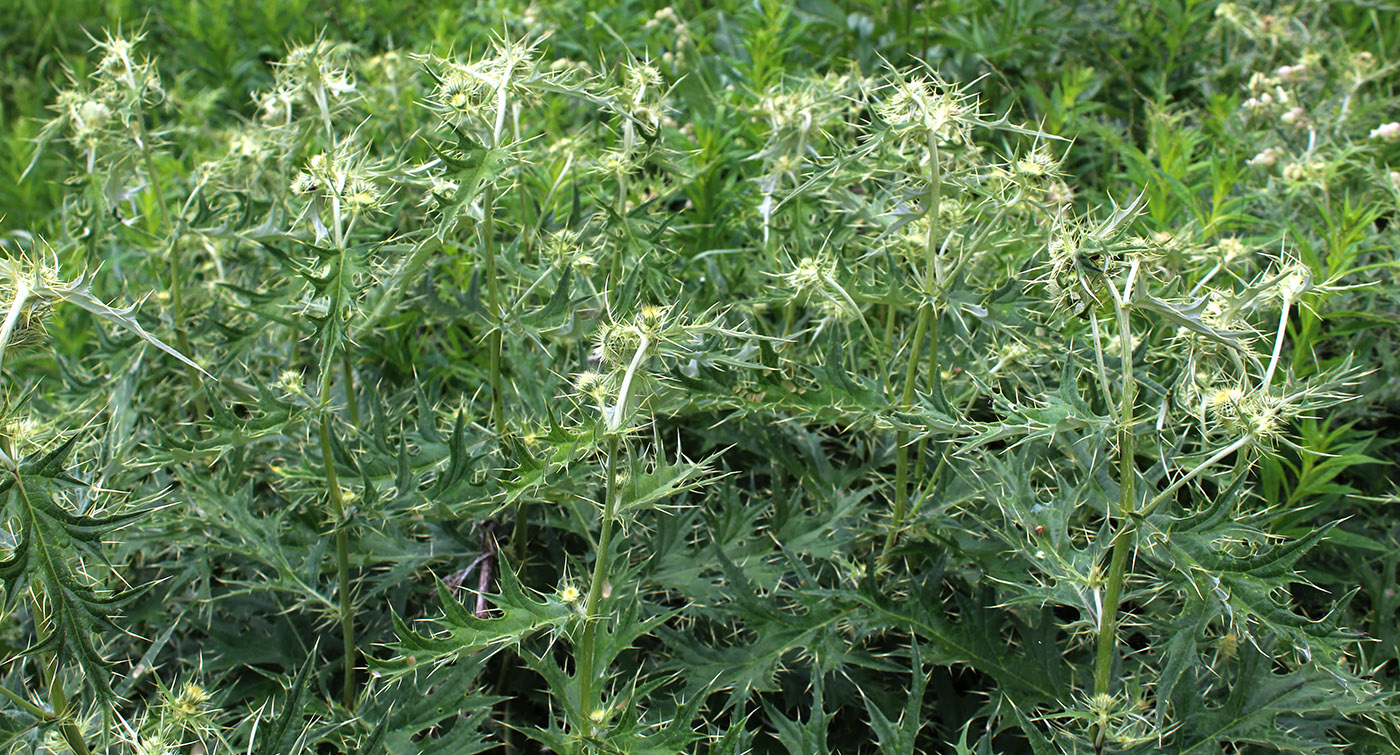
x,y
901,458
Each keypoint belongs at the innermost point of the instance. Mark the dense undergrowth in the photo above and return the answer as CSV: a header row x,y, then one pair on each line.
x,y
974,377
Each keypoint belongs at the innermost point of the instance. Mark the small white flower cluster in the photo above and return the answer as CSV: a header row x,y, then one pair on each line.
x,y
1266,159
1292,73
666,15
105,106
339,179
666,20
1388,132
1264,101
922,108
311,74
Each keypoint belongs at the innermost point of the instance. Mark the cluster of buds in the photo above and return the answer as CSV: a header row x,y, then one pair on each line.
x,y
310,73
1267,95
564,248
1221,313
478,94
617,163
641,101
1313,171
1260,415
1037,168
121,70
460,94
1262,27
953,215
617,343
1296,117
337,177
441,191
622,348
105,106
796,113
813,280
1229,252
675,30
928,108
1079,270
86,117
666,17
21,437
25,308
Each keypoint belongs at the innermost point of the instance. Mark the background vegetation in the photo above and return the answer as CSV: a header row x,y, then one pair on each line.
x,y
972,376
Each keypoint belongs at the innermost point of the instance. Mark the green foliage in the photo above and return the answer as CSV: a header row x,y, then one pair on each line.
x,y
975,377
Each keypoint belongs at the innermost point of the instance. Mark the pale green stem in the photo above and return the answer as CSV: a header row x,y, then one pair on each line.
x,y
12,317
1219,456
342,533
348,378
30,707
1098,357
177,285
58,699
1278,347
620,209
615,417
901,458
1125,532
592,612
342,544
927,318
495,342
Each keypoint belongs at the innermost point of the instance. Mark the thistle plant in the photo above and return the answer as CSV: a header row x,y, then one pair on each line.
x,y
58,521
711,379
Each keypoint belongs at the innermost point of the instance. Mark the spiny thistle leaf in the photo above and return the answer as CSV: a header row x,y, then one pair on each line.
x,y
459,633
52,548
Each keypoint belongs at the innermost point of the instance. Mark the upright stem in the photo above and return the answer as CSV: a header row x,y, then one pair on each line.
x,y
592,606
620,209
177,296
901,458
342,544
934,380
493,291
927,319
347,376
59,700
1125,532
1278,347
